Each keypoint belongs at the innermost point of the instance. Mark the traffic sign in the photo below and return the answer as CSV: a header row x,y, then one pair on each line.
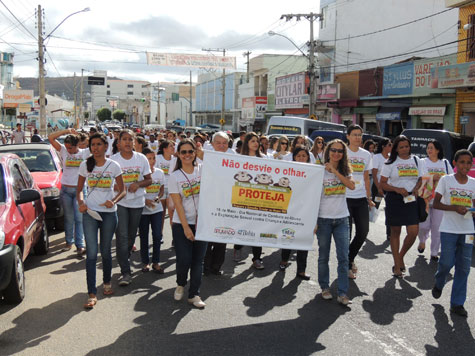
x,y
464,120
222,122
313,117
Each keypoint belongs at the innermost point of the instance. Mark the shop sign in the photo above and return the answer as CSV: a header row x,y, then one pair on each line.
x,y
454,76
427,110
328,92
398,79
12,98
290,90
423,69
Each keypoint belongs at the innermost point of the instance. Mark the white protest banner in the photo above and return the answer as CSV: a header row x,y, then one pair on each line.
x,y
191,60
258,202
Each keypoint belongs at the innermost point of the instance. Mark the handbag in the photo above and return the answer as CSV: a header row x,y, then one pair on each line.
x,y
422,209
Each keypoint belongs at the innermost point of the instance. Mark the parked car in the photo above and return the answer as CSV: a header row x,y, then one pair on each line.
x,y
45,166
22,225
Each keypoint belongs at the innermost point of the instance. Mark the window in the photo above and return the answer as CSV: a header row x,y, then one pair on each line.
x,y
470,38
18,182
3,187
25,174
130,85
130,93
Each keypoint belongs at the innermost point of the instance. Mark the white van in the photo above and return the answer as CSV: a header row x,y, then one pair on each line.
x,y
294,125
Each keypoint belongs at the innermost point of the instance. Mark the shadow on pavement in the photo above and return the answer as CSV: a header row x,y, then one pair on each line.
x,y
370,250
456,339
389,301
422,273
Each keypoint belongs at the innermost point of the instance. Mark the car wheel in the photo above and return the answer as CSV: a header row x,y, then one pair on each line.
x,y
15,291
50,224
42,245
59,224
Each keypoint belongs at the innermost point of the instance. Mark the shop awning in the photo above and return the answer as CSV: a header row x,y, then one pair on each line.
x,y
389,114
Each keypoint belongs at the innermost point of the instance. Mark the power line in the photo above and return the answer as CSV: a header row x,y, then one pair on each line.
x,y
16,18
388,28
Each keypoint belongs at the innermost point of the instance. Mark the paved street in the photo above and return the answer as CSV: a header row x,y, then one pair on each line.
x,y
248,312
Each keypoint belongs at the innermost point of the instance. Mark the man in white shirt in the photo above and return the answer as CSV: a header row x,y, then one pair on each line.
x,y
18,136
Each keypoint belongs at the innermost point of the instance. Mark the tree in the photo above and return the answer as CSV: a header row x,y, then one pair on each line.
x,y
103,114
118,115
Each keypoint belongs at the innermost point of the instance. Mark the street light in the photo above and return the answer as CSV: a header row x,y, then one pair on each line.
x,y
272,33
41,63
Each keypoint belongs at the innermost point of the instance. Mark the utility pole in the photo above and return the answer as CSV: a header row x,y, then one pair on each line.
x,y
191,100
311,61
80,97
223,97
246,54
41,73
75,102
158,104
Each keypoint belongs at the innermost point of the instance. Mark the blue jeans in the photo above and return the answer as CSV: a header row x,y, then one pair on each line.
x,y
107,227
129,219
73,230
454,252
189,257
341,234
145,221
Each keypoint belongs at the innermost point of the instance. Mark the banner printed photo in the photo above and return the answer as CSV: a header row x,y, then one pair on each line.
x,y
258,202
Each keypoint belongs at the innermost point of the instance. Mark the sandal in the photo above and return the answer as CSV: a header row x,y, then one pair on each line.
x,y
157,268
283,266
91,302
145,268
107,289
398,275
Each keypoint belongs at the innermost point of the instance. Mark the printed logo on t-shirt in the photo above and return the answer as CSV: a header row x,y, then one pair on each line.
x,y
164,168
439,171
153,188
460,197
318,160
333,187
130,175
188,190
73,161
153,146
407,170
99,181
358,164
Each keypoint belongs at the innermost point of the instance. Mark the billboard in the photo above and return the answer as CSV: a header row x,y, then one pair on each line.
x,y
191,60
12,98
290,91
398,79
252,107
454,76
422,72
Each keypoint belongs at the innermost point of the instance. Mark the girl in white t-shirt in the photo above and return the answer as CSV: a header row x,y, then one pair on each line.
x,y
184,189
99,174
437,166
71,158
283,147
401,179
455,195
333,219
318,149
136,175
165,162
152,216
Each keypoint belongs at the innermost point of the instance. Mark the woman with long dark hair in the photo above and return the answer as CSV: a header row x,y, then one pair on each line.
x,y
100,174
184,188
401,179
333,219
283,147
318,149
250,147
437,166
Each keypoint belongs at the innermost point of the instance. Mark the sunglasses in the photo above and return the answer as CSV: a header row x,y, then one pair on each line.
x,y
184,152
284,143
337,150
319,141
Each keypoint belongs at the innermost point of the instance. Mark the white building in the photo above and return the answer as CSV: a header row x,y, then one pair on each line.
x,y
346,23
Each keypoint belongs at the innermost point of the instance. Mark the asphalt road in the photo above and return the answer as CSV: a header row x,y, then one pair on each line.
x,y
248,312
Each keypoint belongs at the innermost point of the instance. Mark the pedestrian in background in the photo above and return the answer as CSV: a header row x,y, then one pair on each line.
x,y
99,174
18,136
318,149
184,188
333,219
401,179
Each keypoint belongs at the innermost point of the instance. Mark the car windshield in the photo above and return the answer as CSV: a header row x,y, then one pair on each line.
x,y
37,160
3,191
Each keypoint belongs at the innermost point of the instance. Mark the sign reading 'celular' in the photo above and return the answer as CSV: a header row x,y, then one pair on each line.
x,y
258,202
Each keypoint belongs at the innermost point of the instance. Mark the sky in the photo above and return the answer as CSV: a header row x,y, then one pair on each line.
x,y
114,35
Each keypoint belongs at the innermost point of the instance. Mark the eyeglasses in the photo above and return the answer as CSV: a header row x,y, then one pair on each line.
x,y
319,141
184,152
284,143
337,150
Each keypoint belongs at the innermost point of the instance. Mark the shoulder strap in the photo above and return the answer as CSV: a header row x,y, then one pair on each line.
x,y
446,167
415,160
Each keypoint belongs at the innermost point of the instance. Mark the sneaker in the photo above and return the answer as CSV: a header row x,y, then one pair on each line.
x,y
197,302
354,269
459,310
436,292
351,274
237,256
326,294
257,264
179,291
125,280
343,300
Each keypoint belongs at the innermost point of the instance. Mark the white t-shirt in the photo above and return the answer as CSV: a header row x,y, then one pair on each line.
x,y
189,189
98,192
110,141
154,146
454,193
441,167
153,190
403,173
360,162
319,159
285,157
207,146
133,170
18,136
333,201
312,158
378,163
71,163
165,166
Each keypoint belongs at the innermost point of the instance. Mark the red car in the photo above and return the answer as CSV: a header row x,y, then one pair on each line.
x,y
22,225
45,166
